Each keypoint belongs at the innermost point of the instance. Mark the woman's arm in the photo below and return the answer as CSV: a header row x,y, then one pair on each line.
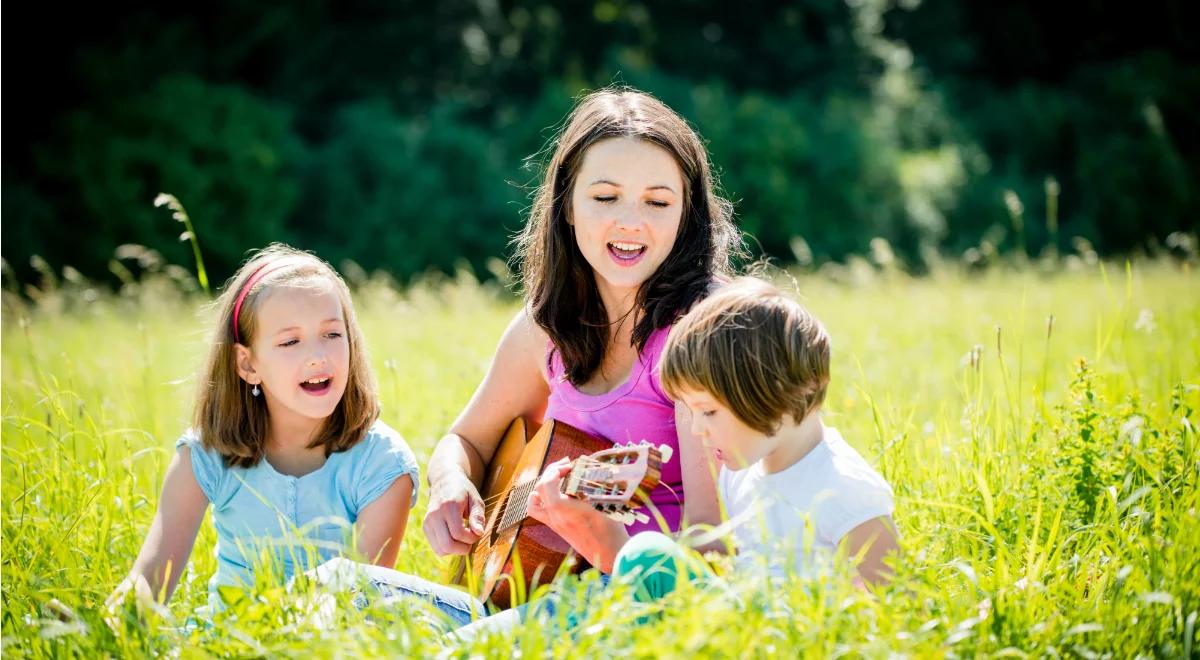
x,y
172,534
874,540
515,386
380,525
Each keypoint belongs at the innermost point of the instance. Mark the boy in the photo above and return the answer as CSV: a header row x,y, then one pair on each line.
x,y
752,367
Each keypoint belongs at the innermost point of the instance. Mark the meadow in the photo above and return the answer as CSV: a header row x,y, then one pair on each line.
x,y
1038,425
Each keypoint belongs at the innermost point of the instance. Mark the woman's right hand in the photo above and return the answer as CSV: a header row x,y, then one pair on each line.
x,y
454,520
514,386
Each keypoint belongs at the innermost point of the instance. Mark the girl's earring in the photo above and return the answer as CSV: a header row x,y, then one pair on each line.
x,y
255,391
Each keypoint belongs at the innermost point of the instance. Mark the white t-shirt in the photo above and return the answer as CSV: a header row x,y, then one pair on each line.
x,y
803,512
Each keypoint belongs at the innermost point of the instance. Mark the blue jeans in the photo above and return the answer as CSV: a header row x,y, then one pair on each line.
x,y
459,606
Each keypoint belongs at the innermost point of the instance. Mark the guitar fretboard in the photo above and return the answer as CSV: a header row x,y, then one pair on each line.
x,y
591,472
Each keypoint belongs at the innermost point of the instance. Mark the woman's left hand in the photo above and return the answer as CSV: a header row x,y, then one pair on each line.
x,y
595,536
548,504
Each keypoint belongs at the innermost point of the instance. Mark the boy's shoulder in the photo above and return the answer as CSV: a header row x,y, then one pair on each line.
x,y
832,467
846,467
852,491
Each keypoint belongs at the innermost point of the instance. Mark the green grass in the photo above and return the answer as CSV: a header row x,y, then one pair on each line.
x,y
1045,481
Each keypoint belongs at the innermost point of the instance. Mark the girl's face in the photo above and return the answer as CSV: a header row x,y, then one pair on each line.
x,y
731,441
626,207
300,355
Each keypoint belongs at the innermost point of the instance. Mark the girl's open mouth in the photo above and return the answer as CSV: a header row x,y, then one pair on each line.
x,y
625,253
317,386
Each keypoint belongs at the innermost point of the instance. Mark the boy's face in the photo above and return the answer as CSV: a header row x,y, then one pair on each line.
x,y
731,441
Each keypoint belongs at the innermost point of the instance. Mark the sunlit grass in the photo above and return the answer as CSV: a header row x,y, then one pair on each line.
x,y
1045,472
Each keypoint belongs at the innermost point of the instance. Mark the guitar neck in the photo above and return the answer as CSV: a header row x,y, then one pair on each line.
x,y
610,479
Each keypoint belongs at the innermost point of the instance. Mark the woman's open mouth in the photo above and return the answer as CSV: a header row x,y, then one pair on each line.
x,y
626,253
317,386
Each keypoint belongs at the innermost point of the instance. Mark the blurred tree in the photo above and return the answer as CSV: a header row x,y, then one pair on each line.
x,y
1100,96
400,134
225,153
407,194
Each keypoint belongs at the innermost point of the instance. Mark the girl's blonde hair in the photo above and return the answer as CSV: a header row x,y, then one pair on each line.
x,y
228,418
757,351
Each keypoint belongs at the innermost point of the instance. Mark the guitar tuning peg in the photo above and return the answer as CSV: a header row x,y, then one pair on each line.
x,y
666,452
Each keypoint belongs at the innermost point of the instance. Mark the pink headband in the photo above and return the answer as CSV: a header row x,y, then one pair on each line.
x,y
255,278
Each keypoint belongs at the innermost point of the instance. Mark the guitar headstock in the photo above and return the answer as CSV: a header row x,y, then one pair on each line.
x,y
619,479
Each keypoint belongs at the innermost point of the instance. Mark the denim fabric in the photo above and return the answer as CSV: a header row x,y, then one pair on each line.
x,y
459,606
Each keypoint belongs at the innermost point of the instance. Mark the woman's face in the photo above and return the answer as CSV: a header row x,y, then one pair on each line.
x,y
626,208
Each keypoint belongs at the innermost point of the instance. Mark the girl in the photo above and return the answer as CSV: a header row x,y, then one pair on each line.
x,y
286,444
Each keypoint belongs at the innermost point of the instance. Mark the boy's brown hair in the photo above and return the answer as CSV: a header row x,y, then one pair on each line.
x,y
760,353
228,418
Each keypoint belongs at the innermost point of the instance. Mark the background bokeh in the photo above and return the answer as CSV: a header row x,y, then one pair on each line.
x,y
406,136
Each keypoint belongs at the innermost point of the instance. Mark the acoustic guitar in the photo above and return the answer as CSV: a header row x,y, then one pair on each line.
x,y
517,553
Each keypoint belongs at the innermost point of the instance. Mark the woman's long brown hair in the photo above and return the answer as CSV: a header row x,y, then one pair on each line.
x,y
560,287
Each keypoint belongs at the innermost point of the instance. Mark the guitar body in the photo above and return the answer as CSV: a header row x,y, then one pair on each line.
x,y
518,551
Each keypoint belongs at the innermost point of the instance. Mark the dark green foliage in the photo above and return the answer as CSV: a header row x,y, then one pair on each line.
x,y
224,152
397,135
407,195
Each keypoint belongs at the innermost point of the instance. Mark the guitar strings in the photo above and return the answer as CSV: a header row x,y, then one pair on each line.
x,y
519,509
590,463
525,489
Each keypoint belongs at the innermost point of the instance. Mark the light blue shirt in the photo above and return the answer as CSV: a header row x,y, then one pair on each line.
x,y
295,523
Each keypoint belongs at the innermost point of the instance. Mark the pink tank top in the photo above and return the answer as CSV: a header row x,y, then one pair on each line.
x,y
636,410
